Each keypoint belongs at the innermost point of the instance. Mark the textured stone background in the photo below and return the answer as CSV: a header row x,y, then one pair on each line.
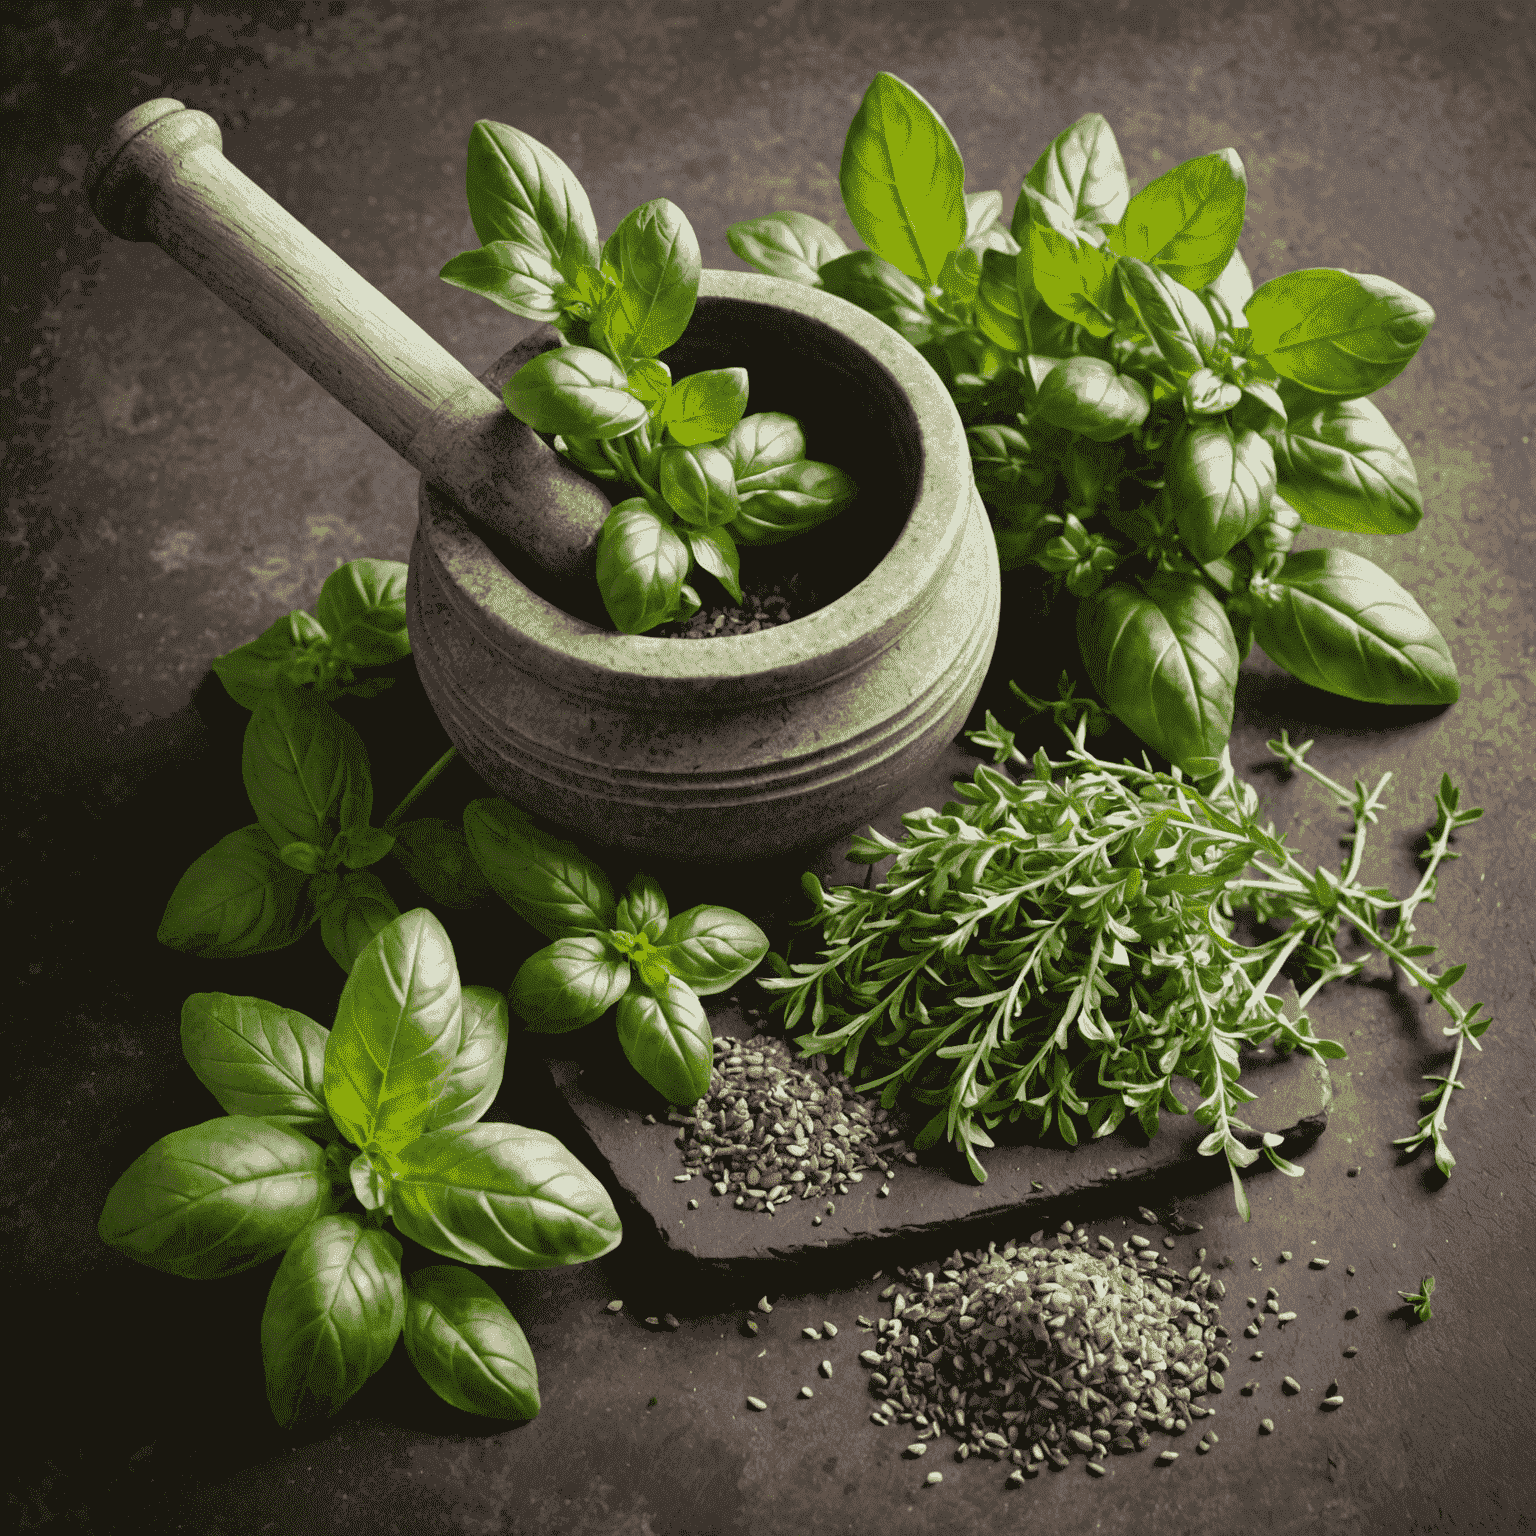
x,y
172,483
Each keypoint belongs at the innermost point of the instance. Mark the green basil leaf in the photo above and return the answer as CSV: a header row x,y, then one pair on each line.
x,y
699,484
1342,466
764,441
1337,333
1000,313
1021,533
711,948
1261,408
248,671
258,1059
1164,660
575,391
370,1183
502,1195
475,1077
643,909
982,211
1075,278
1174,319
1082,173
902,179
304,857
776,504
1208,394
335,1309
516,277
655,254
550,884
715,551
1341,623
1219,481
792,245
666,1037
397,1031
641,566
515,182
1188,220
585,453
217,1198
359,846
355,915
1234,287
239,898
960,276
467,1346
437,857
362,606
884,290
1087,395
568,984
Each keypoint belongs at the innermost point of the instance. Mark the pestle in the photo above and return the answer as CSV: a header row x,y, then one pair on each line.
x,y
161,175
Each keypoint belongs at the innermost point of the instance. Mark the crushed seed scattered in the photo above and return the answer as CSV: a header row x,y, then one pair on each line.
x,y
764,1305
1285,1317
1333,1402
693,1205
917,1448
1285,1255
1016,1478
1095,1470
669,1322
806,1392
1258,1354
1318,1263
1350,1352
1349,1269
1290,1384
829,1330
757,1404
1147,1215
810,1333
615,1306
780,604
1353,1173
1351,1312
826,1369
1167,1458
1266,1426
934,1477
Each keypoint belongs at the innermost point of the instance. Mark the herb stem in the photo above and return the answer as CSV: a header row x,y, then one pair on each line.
x,y
421,787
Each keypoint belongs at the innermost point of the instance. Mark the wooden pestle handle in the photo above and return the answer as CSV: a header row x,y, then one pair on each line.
x,y
161,175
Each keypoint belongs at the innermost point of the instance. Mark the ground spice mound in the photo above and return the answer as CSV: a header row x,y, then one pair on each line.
x,y
1029,1354
757,610
775,1127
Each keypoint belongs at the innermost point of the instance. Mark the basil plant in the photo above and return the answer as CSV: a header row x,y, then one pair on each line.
x,y
330,1134
630,955
709,478
1144,424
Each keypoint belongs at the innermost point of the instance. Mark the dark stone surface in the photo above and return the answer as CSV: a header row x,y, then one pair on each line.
x,y
172,484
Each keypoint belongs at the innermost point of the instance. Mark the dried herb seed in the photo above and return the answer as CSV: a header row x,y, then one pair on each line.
x,y
1266,1426
757,1404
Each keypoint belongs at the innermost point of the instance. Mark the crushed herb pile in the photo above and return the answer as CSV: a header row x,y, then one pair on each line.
x,y
756,611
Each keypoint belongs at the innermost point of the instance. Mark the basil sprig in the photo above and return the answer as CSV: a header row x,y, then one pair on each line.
x,y
686,448
1227,415
630,955
382,1114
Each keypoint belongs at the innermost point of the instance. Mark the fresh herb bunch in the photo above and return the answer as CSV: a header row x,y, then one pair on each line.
x,y
709,479
1055,949
1144,425
385,1108
1419,1299
631,955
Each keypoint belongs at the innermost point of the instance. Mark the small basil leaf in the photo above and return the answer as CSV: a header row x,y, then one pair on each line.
x,y
516,277
358,847
475,1077
550,884
217,1198
304,857
1261,408
650,381
655,253
258,1059
1188,220
1342,466
1172,317
902,179
362,606
776,504
369,1183
568,984
960,276
688,602
397,1031
885,291
641,565
1087,395
763,441
715,551
1000,313
711,948
705,406
643,909
792,245
239,898
335,1309
1082,173
1220,481
248,671
358,911
587,456
1075,278
467,1346
699,485
666,1037
982,211
437,858
575,391
502,1195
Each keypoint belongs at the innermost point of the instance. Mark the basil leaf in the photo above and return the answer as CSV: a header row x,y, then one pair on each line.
x,y
1261,408
475,1077
355,915
1087,395
1208,394
650,382
575,391
1075,278
467,1346
1219,481
641,566
959,276
362,605
1234,287
1341,623
568,984
763,441
1000,313
705,406
502,1195
667,1040
1335,332
1082,173
655,254
239,898
885,291
217,1198
1021,533
1188,220
550,884
258,1059
715,551
513,181
359,846
304,857
1174,319
776,504
437,858
335,1309
1165,661
711,948
699,485
902,179
643,909
248,671
1342,466
397,1031
792,245
516,277
370,1183
586,455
